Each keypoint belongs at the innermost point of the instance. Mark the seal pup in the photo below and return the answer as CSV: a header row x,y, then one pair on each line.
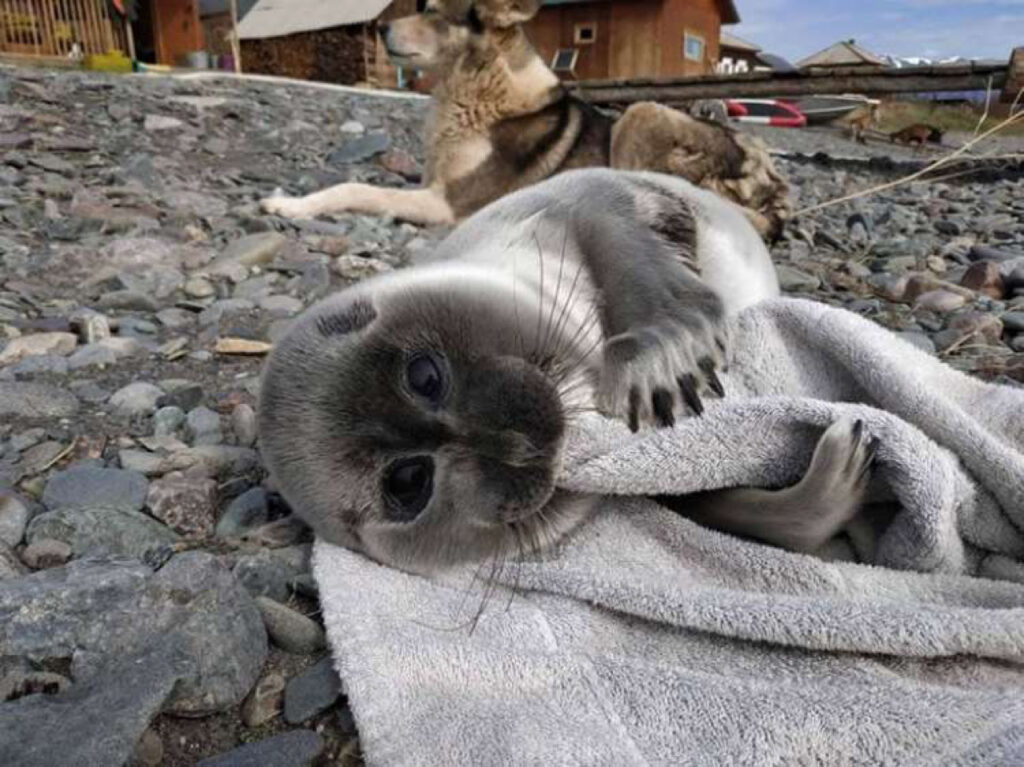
x,y
419,416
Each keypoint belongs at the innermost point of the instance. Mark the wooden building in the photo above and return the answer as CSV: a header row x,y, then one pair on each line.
x,y
613,39
60,29
845,53
324,40
162,31
736,55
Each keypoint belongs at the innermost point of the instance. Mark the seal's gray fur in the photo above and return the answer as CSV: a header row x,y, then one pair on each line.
x,y
594,289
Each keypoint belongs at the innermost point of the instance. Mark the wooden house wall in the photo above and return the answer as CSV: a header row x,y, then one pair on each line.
x,y
176,29
333,55
635,38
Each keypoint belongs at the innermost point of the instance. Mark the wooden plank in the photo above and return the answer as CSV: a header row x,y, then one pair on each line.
x,y
94,26
50,24
874,80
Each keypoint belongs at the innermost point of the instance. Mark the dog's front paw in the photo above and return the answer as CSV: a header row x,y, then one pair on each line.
x,y
287,207
651,373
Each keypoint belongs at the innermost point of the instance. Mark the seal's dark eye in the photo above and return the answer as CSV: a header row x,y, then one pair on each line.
x,y
473,21
408,486
425,378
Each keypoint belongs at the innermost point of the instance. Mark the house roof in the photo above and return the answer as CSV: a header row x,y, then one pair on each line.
x,y
737,43
726,8
843,53
214,7
276,18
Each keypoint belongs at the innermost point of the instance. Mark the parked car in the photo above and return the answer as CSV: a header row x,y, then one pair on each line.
x,y
766,112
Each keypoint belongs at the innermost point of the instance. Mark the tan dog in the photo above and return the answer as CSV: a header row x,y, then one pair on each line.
x,y
502,121
864,118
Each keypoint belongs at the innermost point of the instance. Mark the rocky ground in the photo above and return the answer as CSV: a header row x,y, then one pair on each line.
x,y
153,587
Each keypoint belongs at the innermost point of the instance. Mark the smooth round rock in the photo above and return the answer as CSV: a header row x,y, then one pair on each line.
x,y
289,629
14,517
135,399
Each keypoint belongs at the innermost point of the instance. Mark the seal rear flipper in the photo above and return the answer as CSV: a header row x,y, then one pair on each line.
x,y
801,517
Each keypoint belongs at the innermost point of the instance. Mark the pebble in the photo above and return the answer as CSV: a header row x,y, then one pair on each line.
x,y
203,427
243,424
984,277
199,287
920,340
264,702
296,748
289,629
251,250
244,346
167,420
359,268
281,306
358,149
186,504
939,301
153,123
92,355
136,399
184,395
14,517
249,510
1014,321
87,486
45,553
60,344
265,574
149,751
312,692
794,280
10,565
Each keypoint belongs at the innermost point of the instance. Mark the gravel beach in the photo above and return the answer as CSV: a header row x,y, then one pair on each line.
x,y
152,583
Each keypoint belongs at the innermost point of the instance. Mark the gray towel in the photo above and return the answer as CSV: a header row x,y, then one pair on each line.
x,y
646,639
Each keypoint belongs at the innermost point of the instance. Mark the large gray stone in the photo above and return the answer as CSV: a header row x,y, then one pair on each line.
x,y
94,723
87,486
102,532
33,400
93,611
297,748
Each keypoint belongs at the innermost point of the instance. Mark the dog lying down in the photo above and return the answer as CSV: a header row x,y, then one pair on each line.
x,y
502,120
421,416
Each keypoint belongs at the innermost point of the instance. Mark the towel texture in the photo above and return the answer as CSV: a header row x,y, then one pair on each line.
x,y
646,639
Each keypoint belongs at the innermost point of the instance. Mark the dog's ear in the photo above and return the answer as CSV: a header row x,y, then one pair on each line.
x,y
506,13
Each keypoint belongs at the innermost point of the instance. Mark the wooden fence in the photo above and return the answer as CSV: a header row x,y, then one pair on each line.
x,y
51,28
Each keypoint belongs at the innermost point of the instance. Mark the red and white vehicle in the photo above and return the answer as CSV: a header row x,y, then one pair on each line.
x,y
766,112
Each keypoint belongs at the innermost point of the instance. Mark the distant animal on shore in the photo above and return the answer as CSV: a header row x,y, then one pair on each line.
x,y
918,133
863,119
502,120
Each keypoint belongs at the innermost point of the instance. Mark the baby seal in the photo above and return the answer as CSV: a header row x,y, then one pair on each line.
x,y
419,416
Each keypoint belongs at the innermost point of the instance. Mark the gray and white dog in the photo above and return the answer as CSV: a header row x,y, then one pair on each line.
x,y
419,416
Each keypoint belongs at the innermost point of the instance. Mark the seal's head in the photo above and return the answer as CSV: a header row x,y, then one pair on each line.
x,y
401,418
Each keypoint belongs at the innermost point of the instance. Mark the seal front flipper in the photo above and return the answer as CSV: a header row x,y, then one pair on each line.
x,y
665,328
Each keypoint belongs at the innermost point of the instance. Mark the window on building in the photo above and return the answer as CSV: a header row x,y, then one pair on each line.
x,y
693,47
565,59
584,34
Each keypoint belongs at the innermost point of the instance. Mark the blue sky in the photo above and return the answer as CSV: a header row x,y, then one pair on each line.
x,y
931,28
